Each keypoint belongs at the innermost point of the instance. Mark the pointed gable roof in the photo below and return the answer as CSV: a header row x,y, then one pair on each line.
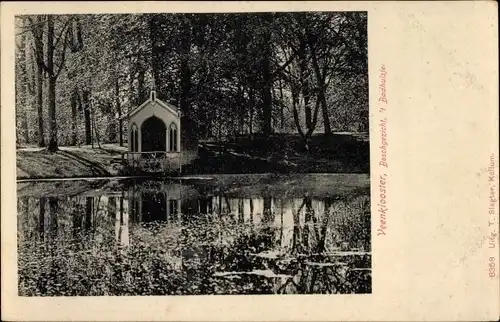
x,y
169,107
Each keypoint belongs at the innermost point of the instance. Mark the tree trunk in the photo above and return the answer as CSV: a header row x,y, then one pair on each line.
x,y
267,83
86,116
303,72
266,97
80,108
96,130
306,136
296,119
74,116
282,109
321,92
23,88
119,110
39,105
307,106
25,124
31,91
324,111
52,147
111,123
37,32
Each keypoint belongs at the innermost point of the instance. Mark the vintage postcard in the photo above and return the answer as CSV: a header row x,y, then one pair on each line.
x,y
250,161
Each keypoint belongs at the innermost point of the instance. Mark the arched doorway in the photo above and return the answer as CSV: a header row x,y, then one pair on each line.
x,y
153,135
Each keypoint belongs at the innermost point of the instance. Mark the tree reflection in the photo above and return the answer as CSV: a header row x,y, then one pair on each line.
x,y
41,218
54,208
77,218
156,241
89,202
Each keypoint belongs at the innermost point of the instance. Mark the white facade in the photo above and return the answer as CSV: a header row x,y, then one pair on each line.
x,y
141,132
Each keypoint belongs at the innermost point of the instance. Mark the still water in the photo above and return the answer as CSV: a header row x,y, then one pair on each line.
x,y
188,238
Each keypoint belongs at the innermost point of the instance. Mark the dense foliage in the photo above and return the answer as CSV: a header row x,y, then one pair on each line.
x,y
94,246
77,76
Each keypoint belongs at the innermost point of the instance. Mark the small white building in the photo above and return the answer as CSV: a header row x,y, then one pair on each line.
x,y
154,126
154,140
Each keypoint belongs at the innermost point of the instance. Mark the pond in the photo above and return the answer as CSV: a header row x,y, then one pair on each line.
x,y
308,234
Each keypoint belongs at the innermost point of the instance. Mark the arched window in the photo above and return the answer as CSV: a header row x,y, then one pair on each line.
x,y
173,137
134,139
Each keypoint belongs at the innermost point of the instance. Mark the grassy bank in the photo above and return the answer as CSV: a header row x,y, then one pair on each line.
x,y
285,154
69,162
337,153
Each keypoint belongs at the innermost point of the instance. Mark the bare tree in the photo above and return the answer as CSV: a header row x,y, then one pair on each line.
x,y
51,63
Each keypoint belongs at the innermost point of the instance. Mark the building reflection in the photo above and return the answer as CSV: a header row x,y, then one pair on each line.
x,y
216,228
296,225
156,201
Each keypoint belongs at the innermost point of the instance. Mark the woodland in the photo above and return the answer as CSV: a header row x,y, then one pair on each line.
x,y
232,75
268,97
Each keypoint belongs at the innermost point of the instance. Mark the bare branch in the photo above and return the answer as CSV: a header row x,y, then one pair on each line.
x,y
62,32
63,54
23,32
37,36
282,67
32,24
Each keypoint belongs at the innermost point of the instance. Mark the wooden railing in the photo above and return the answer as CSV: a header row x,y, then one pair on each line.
x,y
153,161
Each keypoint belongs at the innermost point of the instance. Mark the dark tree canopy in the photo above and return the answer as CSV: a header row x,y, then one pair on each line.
x,y
230,74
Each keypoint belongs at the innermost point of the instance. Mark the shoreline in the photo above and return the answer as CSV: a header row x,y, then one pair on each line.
x,y
337,155
207,176
319,184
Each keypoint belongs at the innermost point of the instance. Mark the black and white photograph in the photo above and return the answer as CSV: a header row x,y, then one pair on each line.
x,y
192,154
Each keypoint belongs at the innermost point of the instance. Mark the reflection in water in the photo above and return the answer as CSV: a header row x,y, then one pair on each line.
x,y
158,238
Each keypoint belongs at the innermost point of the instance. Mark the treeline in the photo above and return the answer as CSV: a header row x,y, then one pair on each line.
x,y
77,76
